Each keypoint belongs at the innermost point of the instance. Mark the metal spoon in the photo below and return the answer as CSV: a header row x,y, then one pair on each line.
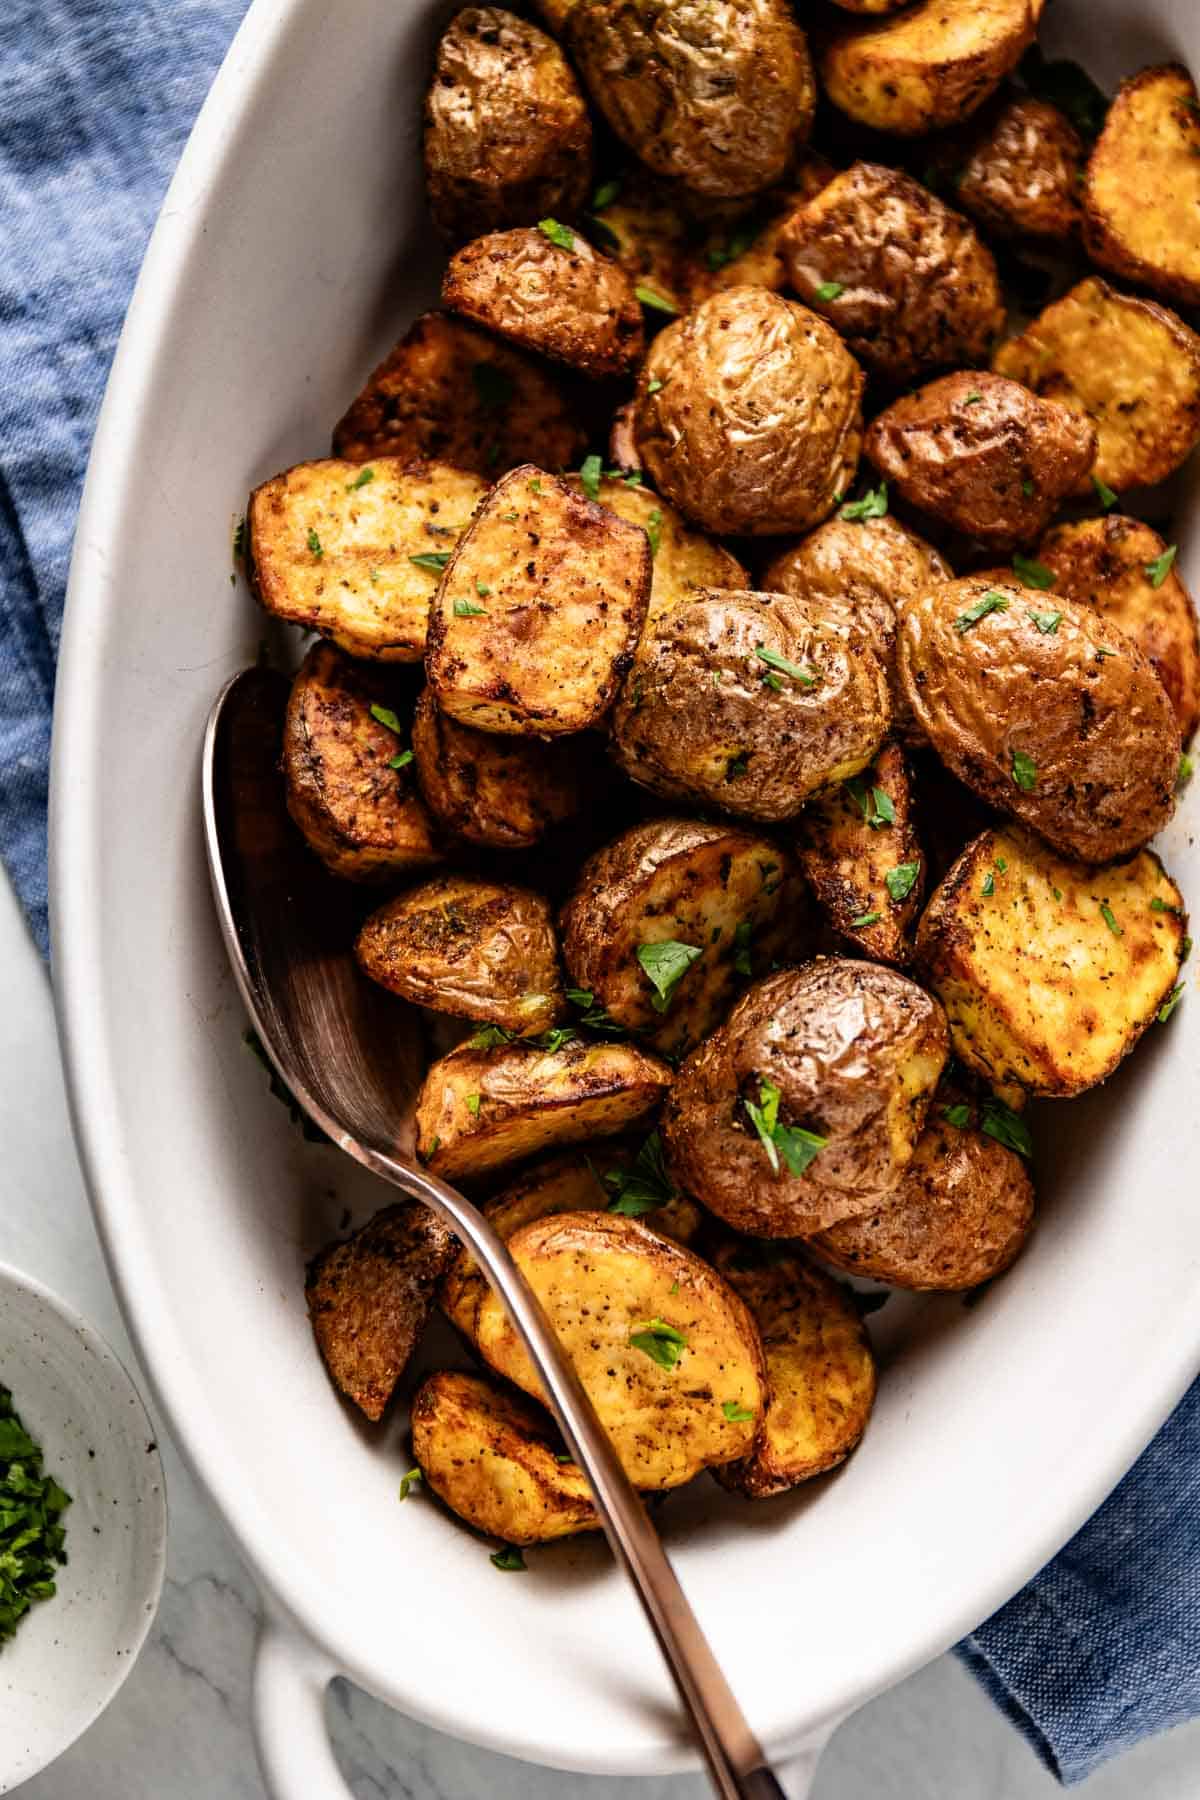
x,y
342,1047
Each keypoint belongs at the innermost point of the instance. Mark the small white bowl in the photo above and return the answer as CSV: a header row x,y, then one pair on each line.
x,y
70,1654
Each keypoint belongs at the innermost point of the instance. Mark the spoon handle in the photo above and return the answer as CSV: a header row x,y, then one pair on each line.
x,y
735,1758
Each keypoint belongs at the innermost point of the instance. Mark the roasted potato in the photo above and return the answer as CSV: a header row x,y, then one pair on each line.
x,y
537,615
369,1300
1131,366
482,1108
717,96
928,67
502,792
859,851
983,454
960,1216
1019,171
748,414
1141,198
669,1355
751,703
450,393
1125,570
745,252
1046,710
805,1106
360,812
544,287
683,562
475,948
820,1371
666,919
1049,970
492,1458
355,553
607,1178
906,281
507,134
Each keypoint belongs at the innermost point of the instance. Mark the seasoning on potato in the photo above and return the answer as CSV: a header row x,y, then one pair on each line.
x,y
1141,200
851,842
504,793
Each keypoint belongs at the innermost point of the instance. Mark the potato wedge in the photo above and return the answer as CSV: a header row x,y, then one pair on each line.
x,y
859,850
1048,711
482,1108
1141,199
751,703
669,1355
838,1060
607,1178
820,1370
961,1215
1018,174
1049,970
369,1299
493,1459
549,291
507,133
450,393
906,281
683,561
983,454
471,947
362,815
538,614
502,792
1114,565
666,920
928,67
1129,365
355,553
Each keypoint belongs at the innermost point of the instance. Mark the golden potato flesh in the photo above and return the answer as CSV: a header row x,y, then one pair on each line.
x,y
928,67
1120,566
805,1106
820,1370
748,414
683,561
502,792
851,842
1019,172
961,1213
492,1458
369,1300
1050,970
475,948
745,252
905,281
507,134
549,291
481,1108
1141,200
355,552
668,919
1129,365
715,94
1046,710
536,619
751,703
450,393
669,1355
360,812
983,454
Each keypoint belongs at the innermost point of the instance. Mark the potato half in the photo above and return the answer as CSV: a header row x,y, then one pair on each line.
x,y
1019,172
355,552
683,561
1141,200
492,1458
1049,970
668,1353
860,854
820,1370
502,792
475,948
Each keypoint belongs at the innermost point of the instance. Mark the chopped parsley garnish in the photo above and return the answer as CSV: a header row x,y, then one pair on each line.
x,y
1031,573
1001,865
1165,1010
655,302
991,602
560,235
555,1038
1027,488
873,505
467,609
653,387
535,486
829,290
1107,496
360,480
737,1415
988,887
973,398
32,1537
1158,570
959,1115
796,1146
1007,1127
1024,771
1183,773
493,385
510,1558
596,1018
401,760
482,588
239,539
742,937
605,194
490,1037
645,1185
660,1342
900,880
431,559
385,716
666,963
795,670
589,476
474,1102
864,919
1109,917
1047,623
653,529
737,765
1158,904
409,1481
876,807
314,544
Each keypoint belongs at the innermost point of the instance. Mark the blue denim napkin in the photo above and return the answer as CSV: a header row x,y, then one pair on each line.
x,y
96,100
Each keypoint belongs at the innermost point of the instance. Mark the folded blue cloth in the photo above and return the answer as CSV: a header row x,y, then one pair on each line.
x,y
96,100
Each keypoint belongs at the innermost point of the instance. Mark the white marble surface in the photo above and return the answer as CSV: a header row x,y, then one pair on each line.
x,y
179,1730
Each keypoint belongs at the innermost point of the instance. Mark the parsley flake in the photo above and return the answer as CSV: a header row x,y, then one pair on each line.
x,y
645,1185
653,529
512,1557
474,1102
314,544
796,1146
1183,773
1170,1003
653,387
1109,917
830,290
873,505
796,670
743,933
1024,771
1047,623
400,761
1158,570
666,963
490,1037
360,480
431,559
409,1481
737,1415
901,880
1107,496
885,812
737,765
589,476
973,398
467,609
1027,488
605,194
959,1115
384,715
660,1342
1031,573
561,236
991,602
988,886
656,302
31,1530
864,919
1007,1127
